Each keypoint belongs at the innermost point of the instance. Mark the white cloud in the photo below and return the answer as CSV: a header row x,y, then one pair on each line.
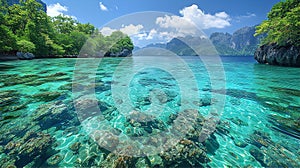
x,y
56,9
205,21
141,36
223,15
192,16
177,24
132,29
151,34
103,7
248,15
191,22
106,31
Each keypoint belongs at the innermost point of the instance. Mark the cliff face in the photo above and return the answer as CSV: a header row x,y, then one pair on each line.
x,y
241,42
278,55
11,2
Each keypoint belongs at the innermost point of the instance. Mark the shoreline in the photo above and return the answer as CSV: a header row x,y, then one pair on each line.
x,y
15,58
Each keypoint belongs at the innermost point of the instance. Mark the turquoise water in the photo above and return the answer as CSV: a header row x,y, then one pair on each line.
x,y
125,112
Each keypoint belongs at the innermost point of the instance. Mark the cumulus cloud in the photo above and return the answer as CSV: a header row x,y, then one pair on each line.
x,y
56,9
205,21
176,24
131,29
196,16
106,31
151,34
103,7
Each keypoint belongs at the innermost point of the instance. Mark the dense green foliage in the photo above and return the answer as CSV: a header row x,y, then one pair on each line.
x,y
7,38
113,45
26,27
25,46
283,24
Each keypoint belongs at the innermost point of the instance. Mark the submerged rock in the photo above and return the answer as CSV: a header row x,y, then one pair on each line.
x,y
205,101
155,161
258,155
270,153
75,146
35,83
55,160
107,139
142,122
29,148
46,96
286,91
58,74
55,114
88,107
240,143
260,139
288,125
6,162
142,162
186,153
15,79
115,161
10,101
238,121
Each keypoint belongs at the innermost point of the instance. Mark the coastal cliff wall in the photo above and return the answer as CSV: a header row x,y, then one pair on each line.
x,y
278,55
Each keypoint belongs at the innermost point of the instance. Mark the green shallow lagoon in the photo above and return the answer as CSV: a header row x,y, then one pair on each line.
x,y
70,113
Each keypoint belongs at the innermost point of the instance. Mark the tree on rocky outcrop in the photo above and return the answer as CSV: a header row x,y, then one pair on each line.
x,y
282,26
281,46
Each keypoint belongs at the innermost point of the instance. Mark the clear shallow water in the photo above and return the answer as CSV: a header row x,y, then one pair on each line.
x,y
44,124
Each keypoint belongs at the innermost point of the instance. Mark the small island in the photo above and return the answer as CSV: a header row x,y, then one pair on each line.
x,y
282,43
27,32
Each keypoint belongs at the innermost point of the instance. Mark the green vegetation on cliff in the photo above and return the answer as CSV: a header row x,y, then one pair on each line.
x,y
25,27
283,24
117,44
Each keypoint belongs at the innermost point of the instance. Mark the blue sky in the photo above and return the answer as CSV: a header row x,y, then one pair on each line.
x,y
209,15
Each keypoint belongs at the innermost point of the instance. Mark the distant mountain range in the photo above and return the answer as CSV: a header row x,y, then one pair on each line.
x,y
241,42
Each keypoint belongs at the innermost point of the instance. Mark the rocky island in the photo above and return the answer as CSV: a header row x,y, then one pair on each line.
x,y
282,43
278,55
